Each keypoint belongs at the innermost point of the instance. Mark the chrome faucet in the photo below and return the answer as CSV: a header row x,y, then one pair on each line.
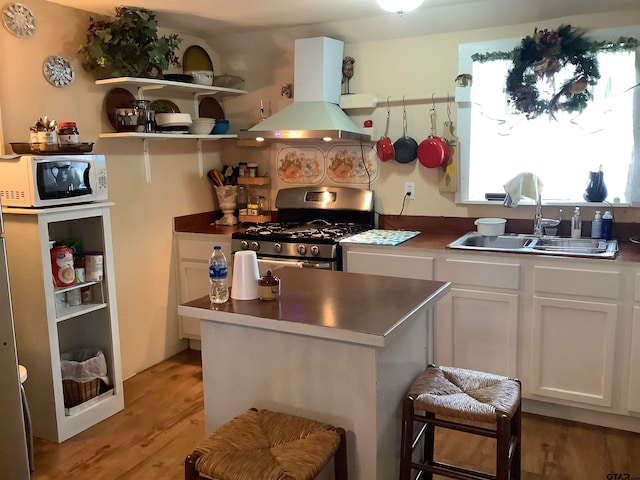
x,y
539,222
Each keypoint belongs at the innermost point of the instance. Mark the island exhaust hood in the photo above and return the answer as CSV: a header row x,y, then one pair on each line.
x,y
314,113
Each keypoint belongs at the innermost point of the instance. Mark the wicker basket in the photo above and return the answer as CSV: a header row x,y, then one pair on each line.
x,y
76,393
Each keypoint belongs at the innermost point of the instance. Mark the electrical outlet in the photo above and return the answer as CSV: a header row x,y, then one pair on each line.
x,y
409,190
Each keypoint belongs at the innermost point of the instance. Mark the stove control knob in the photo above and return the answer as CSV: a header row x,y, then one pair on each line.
x,y
315,251
302,249
244,245
255,246
277,247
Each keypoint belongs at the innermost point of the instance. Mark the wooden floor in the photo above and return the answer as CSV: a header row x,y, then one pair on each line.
x,y
163,421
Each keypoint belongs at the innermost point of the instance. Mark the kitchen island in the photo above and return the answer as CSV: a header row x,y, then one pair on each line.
x,y
336,347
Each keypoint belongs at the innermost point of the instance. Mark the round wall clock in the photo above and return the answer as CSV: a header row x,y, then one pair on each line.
x,y
19,20
58,71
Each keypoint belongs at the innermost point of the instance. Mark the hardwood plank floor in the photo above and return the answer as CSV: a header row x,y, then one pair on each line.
x,y
163,421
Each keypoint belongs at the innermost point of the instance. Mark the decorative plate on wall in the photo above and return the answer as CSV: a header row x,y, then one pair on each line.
x,y
58,71
19,20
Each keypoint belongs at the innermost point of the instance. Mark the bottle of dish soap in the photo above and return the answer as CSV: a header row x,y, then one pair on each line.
x,y
576,224
596,225
607,225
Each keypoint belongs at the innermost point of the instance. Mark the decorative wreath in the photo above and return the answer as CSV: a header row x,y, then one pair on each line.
x,y
542,56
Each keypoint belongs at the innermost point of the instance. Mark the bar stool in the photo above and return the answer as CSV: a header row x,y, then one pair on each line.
x,y
270,446
27,417
462,396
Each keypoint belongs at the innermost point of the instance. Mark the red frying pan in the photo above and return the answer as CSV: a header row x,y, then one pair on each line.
x,y
384,147
433,151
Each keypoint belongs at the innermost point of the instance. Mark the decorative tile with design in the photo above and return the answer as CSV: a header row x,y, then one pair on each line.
x,y
300,165
352,164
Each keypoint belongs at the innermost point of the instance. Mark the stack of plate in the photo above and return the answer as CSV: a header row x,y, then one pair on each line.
x,y
173,122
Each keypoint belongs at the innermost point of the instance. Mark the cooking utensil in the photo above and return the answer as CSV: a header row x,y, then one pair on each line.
x,y
448,174
433,151
384,147
405,148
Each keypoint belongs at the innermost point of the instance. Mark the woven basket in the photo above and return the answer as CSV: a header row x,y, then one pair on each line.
x,y
76,393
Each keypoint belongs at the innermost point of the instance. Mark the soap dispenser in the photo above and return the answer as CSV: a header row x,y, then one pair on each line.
x,y
596,225
576,224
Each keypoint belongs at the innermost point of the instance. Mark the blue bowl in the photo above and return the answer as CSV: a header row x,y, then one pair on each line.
x,y
221,127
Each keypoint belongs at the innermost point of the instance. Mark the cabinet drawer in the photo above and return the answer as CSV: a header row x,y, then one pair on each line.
x,y
571,281
481,274
201,249
403,266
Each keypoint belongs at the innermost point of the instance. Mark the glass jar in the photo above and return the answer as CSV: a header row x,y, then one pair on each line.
x,y
252,204
68,133
261,205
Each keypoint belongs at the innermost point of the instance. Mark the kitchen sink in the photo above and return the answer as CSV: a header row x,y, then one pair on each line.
x,y
570,247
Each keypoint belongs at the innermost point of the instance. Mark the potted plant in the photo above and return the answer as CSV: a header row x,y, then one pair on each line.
x,y
128,45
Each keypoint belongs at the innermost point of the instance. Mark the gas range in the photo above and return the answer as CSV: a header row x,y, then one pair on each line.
x,y
313,220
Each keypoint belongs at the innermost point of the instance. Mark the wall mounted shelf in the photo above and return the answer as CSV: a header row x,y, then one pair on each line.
x,y
198,91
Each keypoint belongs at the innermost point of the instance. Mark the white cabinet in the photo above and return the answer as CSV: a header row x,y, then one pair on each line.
x,y
633,398
477,323
44,330
193,252
574,329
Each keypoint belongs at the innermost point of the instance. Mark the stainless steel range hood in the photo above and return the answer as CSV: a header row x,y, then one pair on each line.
x,y
314,113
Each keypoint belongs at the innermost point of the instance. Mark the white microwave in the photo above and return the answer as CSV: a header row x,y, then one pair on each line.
x,y
52,180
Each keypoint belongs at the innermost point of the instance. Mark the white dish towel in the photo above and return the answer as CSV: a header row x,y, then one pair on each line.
x,y
524,184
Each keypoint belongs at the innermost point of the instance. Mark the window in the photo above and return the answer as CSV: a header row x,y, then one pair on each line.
x,y
497,145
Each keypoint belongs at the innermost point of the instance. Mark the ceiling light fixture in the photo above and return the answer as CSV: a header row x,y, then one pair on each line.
x,y
399,6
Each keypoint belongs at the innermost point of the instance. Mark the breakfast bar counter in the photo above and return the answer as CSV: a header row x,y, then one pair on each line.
x,y
337,347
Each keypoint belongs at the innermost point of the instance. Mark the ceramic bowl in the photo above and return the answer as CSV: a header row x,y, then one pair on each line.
x,y
201,77
202,126
173,119
221,127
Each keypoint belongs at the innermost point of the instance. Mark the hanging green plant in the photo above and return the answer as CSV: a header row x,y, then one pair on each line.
x,y
542,56
128,45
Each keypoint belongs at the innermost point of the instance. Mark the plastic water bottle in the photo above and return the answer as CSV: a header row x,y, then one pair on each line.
x,y
607,225
218,285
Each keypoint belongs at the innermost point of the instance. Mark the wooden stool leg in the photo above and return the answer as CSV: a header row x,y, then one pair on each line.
x,y
190,472
429,443
340,458
516,431
502,447
406,439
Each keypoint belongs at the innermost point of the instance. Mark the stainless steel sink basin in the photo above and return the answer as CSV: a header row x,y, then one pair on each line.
x,y
571,247
580,245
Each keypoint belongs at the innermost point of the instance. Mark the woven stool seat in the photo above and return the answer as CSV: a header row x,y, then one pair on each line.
x,y
467,394
267,445
463,398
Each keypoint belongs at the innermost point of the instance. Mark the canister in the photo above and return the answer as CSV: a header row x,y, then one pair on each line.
x,y
68,133
253,169
64,274
93,268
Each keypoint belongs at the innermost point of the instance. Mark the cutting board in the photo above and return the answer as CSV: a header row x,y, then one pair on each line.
x,y
448,175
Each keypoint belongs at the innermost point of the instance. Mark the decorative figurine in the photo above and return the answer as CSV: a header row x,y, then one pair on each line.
x,y
347,71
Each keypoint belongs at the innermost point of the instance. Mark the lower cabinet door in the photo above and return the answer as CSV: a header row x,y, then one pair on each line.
x,y
634,364
194,283
572,350
478,330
